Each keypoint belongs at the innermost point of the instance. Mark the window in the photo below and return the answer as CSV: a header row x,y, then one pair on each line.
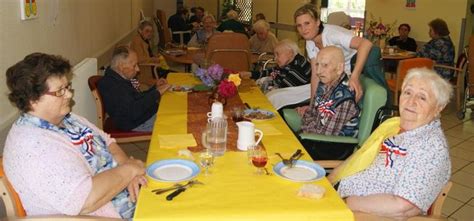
x,y
245,7
354,8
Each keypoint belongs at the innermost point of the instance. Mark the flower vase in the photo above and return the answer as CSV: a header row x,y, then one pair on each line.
x,y
215,96
381,43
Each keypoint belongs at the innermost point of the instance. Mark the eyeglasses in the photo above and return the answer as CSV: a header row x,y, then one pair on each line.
x,y
60,92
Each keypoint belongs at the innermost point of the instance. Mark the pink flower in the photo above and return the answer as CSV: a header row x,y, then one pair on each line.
x,y
227,89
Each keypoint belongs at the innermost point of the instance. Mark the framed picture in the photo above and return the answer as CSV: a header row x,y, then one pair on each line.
x,y
29,9
411,4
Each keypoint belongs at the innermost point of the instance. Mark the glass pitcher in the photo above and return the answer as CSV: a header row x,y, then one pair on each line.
x,y
214,137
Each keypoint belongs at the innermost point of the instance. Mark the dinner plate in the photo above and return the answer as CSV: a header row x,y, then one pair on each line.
x,y
181,88
258,114
302,171
173,170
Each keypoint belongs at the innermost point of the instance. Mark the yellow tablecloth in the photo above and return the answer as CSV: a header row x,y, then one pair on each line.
x,y
232,191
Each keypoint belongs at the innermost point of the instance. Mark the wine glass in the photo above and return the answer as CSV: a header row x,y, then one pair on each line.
x,y
206,159
259,159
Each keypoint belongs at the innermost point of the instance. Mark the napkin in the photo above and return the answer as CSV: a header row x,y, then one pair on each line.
x,y
168,141
268,129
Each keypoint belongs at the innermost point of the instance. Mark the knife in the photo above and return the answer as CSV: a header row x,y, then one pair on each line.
x,y
181,189
176,193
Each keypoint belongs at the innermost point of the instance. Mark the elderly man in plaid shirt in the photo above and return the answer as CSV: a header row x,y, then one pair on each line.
x,y
334,110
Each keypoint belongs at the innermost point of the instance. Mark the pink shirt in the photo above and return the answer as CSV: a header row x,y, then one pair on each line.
x,y
50,175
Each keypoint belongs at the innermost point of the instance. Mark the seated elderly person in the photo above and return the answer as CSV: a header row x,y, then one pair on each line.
x,y
440,48
141,44
57,161
202,35
263,40
292,68
128,106
232,24
405,163
334,110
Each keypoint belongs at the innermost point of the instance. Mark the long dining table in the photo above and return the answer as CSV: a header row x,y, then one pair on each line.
x,y
232,191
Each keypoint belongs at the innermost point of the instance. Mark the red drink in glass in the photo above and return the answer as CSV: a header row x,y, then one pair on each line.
x,y
259,161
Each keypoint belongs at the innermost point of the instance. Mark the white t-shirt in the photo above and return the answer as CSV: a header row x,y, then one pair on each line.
x,y
339,37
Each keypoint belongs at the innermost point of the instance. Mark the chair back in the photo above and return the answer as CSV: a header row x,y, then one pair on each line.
x,y
230,50
92,81
164,33
375,97
11,200
437,206
402,70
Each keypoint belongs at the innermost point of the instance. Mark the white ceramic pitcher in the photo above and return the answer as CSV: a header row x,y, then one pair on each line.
x,y
246,136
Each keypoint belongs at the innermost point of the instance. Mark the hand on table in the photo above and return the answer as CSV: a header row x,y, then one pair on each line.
x,y
134,187
302,110
162,85
245,74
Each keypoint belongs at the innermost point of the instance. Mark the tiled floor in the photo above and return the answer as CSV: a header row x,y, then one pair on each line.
x,y
459,206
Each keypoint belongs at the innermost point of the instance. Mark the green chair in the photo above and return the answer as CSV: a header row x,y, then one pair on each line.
x,y
327,147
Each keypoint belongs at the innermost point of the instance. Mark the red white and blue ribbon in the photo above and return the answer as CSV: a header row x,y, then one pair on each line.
x,y
135,83
390,149
324,107
84,138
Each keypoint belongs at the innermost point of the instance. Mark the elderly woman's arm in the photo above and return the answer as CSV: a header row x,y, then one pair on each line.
x,y
363,47
108,184
383,205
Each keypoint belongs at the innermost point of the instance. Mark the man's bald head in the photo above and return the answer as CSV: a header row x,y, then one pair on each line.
x,y
330,64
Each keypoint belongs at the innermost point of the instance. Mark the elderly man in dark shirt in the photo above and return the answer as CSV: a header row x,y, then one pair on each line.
x,y
128,107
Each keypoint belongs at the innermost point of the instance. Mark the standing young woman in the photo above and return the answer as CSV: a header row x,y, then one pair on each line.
x,y
317,36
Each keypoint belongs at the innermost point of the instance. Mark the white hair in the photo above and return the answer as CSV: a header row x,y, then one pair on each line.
x,y
232,14
261,25
288,44
440,87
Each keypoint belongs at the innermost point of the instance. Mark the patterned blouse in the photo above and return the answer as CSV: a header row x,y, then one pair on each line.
x,y
412,165
84,139
441,51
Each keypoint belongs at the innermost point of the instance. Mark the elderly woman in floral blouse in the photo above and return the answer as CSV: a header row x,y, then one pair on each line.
x,y
404,164
58,162
440,48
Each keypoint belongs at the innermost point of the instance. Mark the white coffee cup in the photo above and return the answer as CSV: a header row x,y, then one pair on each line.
x,y
391,51
217,110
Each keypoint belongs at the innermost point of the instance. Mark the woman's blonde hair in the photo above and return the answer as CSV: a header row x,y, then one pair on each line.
x,y
440,87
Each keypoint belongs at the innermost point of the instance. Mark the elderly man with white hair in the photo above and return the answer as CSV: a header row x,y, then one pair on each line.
x,y
263,40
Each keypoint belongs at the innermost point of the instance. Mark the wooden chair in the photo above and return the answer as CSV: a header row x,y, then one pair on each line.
x,y
106,124
403,67
230,50
459,69
14,208
164,33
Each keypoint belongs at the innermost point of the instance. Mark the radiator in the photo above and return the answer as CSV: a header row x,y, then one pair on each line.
x,y
84,102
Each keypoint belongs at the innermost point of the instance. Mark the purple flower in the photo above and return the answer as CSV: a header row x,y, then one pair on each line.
x,y
215,72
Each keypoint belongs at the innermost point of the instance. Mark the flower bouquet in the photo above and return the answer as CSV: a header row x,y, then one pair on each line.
x,y
223,82
378,32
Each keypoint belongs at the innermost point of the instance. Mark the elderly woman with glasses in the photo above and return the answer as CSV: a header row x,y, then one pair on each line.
x,y
263,40
404,164
57,161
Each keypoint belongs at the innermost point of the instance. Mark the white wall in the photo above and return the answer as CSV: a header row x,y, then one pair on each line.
x,y
75,29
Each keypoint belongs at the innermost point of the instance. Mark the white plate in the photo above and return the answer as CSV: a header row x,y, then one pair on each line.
x,y
173,170
302,171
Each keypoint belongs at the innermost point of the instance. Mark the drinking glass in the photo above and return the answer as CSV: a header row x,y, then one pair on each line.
x,y
259,159
237,114
206,159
